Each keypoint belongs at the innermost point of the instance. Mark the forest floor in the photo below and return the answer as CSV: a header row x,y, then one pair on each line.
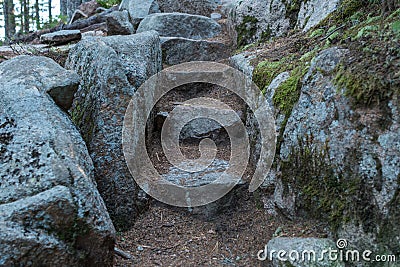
x,y
171,236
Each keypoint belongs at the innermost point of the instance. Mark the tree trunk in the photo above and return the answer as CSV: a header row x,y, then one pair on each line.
x,y
63,7
73,5
37,14
50,15
9,19
26,15
21,17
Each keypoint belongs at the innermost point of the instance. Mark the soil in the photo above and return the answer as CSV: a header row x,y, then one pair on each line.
x,y
171,236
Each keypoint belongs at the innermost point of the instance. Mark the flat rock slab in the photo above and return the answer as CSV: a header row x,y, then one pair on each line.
x,y
61,37
180,25
200,127
180,177
204,177
57,82
177,50
202,7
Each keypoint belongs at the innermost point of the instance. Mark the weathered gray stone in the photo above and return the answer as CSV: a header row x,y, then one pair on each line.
x,y
84,10
298,250
118,23
204,177
313,12
59,83
92,34
49,204
45,212
260,20
256,20
242,62
112,68
358,147
202,127
299,123
61,37
226,7
212,173
177,50
89,8
196,7
139,9
180,25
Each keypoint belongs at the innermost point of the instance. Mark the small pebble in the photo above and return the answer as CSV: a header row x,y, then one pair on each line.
x,y
216,16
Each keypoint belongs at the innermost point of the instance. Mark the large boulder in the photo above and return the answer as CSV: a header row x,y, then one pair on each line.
x,y
341,161
196,7
118,23
50,210
260,20
180,25
112,68
177,50
139,9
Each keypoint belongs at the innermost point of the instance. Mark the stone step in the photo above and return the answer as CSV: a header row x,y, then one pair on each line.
x,y
200,127
204,177
178,50
180,25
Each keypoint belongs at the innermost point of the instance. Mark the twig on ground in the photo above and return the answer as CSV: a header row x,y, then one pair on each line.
x,y
122,253
332,32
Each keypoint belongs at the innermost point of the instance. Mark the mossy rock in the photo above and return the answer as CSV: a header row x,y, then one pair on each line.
x,y
246,30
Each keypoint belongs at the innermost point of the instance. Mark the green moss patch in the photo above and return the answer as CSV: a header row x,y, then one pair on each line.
x,y
266,71
324,194
365,87
246,30
292,10
369,75
288,92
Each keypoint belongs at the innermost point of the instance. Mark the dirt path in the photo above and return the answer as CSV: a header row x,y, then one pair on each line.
x,y
170,236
